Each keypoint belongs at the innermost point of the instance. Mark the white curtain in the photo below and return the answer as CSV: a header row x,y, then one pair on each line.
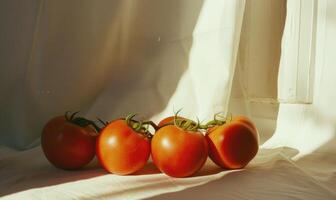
x,y
111,58
306,120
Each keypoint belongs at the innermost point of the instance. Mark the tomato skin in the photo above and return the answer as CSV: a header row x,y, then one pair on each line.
x,y
245,120
179,153
121,150
67,145
249,123
232,145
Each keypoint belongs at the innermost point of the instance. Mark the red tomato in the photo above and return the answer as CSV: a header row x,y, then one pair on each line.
x,y
179,153
67,145
234,144
245,120
121,150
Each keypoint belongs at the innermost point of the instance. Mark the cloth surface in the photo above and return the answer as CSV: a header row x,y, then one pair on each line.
x,y
271,174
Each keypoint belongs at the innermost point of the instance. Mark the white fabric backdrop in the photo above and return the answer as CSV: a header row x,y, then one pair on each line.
x,y
104,55
112,58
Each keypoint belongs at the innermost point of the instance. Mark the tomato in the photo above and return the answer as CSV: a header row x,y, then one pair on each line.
x,y
246,121
121,150
179,153
66,144
234,144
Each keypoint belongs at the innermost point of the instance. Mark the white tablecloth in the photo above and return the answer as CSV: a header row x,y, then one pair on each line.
x,y
271,175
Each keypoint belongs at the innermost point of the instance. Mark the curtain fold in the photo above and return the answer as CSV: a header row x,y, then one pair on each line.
x,y
308,125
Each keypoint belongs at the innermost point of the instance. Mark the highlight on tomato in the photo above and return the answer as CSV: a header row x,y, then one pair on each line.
x,y
68,142
123,146
179,149
233,142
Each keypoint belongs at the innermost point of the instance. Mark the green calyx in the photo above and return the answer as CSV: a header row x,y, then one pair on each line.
x,y
219,119
80,121
190,125
183,123
141,127
186,124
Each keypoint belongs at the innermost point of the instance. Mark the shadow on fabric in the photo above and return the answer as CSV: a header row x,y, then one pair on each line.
x,y
152,56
